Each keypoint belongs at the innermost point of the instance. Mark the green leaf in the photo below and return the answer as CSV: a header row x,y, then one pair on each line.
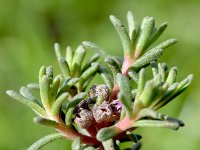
x,y
124,86
62,62
108,145
93,59
156,34
87,82
172,75
33,86
58,103
157,123
131,23
165,44
113,65
147,28
68,83
133,75
94,47
45,92
44,121
148,94
57,50
76,144
182,86
42,72
154,67
77,61
126,104
106,133
45,140
69,56
37,108
69,117
24,91
162,67
49,72
141,83
106,76
76,100
123,34
54,88
89,72
64,67
146,59
125,95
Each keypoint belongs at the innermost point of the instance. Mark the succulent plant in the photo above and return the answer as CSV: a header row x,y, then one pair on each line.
x,y
104,116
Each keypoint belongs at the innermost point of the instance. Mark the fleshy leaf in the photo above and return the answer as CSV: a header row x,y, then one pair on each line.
x,y
123,34
46,122
106,133
145,59
58,103
37,108
76,144
45,140
147,28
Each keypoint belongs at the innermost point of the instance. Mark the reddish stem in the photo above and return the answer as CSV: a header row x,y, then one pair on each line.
x,y
71,134
92,131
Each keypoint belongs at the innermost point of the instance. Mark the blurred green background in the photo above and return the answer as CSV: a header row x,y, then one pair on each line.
x,y
29,28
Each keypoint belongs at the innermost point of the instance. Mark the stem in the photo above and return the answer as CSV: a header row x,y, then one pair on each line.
x,y
71,134
128,61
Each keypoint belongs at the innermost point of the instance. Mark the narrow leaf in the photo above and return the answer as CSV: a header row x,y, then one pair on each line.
x,y
94,47
165,44
76,144
124,86
44,121
58,103
45,140
69,56
126,104
156,34
113,65
64,67
45,92
141,83
93,59
76,100
54,88
77,61
147,28
157,124
148,94
146,59
107,133
27,102
62,62
172,75
123,34
67,85
90,71
33,86
131,23
133,75
162,67
49,72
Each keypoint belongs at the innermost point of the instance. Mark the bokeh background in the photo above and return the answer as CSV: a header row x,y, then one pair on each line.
x,y
29,28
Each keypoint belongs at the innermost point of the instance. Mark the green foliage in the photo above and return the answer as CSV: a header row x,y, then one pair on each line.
x,y
110,111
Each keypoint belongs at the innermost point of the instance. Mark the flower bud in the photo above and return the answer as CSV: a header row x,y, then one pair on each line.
x,y
103,113
84,119
101,91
